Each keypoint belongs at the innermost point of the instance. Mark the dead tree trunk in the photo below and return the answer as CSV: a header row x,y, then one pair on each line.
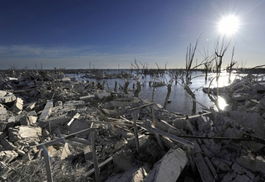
x,y
138,89
125,88
189,91
168,94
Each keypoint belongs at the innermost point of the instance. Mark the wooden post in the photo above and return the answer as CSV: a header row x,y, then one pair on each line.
x,y
95,161
135,118
47,163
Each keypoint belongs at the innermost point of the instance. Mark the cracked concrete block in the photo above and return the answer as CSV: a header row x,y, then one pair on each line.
x,y
24,132
18,105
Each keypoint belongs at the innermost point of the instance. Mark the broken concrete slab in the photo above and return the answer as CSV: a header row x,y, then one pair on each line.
x,y
24,132
256,164
170,167
31,119
9,97
18,105
46,111
201,164
65,152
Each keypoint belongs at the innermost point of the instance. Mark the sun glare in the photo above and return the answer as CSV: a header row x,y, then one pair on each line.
x,y
228,25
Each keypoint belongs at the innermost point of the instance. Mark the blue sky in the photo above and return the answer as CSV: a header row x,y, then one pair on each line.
x,y
108,33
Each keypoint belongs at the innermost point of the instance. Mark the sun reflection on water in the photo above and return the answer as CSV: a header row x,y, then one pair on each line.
x,y
224,79
221,102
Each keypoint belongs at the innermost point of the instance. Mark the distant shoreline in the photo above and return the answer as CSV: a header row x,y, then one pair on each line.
x,y
238,70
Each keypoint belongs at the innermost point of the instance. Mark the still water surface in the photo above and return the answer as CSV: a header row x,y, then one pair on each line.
x,y
181,102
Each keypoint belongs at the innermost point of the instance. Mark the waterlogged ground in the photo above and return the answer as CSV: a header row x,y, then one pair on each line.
x,y
181,102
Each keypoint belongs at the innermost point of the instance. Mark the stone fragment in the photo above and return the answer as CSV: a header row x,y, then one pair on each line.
x,y
32,119
66,79
46,111
2,93
24,132
9,97
3,113
253,164
18,105
31,106
7,156
66,151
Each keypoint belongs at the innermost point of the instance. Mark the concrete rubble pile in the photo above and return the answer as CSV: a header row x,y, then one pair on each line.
x,y
55,128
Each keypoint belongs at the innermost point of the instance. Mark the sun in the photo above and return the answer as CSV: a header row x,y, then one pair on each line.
x,y
228,25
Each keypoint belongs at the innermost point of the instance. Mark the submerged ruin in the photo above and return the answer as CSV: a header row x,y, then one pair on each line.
x,y
56,128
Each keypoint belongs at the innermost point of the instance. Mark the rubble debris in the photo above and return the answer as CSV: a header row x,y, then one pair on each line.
x,y
46,111
256,164
31,106
18,105
204,170
3,113
134,139
7,156
24,132
170,167
31,118
7,97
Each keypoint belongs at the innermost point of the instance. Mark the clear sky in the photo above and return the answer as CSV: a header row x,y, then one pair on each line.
x,y
108,33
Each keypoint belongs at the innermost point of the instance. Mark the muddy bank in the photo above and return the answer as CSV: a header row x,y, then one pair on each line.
x,y
54,128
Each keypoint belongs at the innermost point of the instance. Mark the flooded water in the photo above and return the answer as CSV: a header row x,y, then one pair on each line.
x,y
180,101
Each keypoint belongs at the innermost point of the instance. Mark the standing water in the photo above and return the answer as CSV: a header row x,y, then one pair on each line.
x,y
179,101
